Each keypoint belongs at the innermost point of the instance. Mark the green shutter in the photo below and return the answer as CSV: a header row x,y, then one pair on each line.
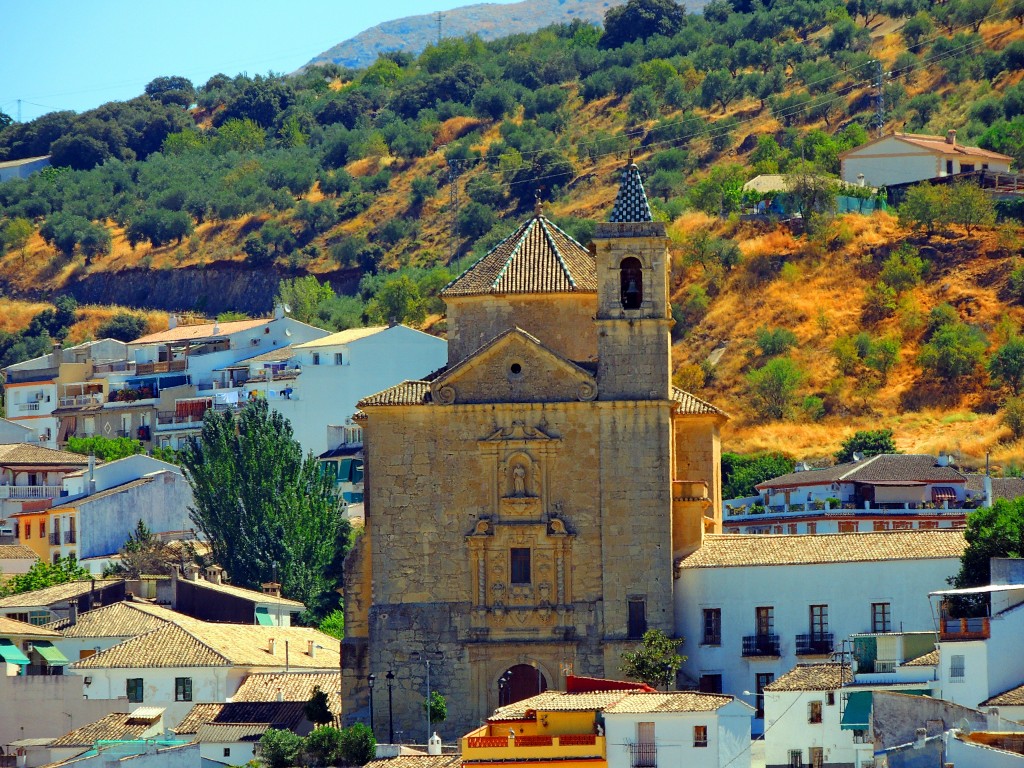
x,y
12,654
47,650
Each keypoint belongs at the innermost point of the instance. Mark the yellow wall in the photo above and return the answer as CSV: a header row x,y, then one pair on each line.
x,y
30,523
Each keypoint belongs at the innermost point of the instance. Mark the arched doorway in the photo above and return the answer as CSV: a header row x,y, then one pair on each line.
x,y
520,682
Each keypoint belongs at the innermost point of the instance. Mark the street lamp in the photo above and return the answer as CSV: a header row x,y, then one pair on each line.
x,y
390,677
437,656
371,679
502,686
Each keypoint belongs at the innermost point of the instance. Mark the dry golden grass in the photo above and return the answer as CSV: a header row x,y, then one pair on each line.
x,y
455,128
15,315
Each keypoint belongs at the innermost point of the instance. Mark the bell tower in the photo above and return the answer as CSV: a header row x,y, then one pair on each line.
x,y
633,317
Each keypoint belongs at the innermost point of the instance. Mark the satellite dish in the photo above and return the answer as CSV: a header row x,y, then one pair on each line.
x,y
287,332
287,308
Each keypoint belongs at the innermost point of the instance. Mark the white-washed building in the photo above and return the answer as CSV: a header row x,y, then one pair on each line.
x,y
752,607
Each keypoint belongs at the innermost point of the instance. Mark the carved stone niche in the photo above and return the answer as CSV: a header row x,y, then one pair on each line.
x,y
517,459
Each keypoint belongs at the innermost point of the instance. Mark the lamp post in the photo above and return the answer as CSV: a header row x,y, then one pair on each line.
x,y
390,677
502,686
371,679
427,658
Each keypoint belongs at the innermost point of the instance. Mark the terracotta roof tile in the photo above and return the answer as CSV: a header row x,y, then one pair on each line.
x,y
417,761
14,628
813,677
537,258
119,725
1011,698
17,552
689,404
343,337
199,331
681,701
55,594
222,733
205,644
1002,487
939,144
406,393
929,659
247,594
741,550
293,686
14,454
124,619
884,467
559,701
280,714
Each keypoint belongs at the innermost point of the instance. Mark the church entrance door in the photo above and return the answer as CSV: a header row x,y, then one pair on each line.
x,y
524,681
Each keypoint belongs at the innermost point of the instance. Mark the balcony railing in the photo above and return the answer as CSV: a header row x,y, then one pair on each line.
x,y
761,645
55,538
479,745
643,756
70,537
26,492
964,629
79,400
165,367
817,643
23,407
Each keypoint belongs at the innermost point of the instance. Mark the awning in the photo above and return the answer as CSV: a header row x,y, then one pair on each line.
x,y
263,617
12,654
857,714
47,650
943,493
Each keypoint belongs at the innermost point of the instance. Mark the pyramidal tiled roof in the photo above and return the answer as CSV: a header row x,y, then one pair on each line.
x,y
631,203
537,258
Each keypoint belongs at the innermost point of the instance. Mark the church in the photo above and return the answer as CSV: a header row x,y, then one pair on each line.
x,y
525,504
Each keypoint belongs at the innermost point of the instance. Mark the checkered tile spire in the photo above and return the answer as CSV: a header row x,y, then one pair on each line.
x,y
631,203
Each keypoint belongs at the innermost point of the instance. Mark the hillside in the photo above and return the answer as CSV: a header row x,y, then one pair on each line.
x,y
489,21
385,183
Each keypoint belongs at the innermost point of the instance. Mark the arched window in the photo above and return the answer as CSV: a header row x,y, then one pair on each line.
x,y
631,280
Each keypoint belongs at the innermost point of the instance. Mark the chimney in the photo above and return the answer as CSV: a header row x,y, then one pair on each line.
x,y
192,572
172,321
920,737
279,311
91,485
56,355
861,181
312,649
992,719
271,588
272,646
213,574
434,744
951,137
280,693
72,613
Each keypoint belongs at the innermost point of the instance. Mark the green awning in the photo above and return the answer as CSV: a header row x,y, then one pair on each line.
x,y
47,650
12,654
857,714
263,617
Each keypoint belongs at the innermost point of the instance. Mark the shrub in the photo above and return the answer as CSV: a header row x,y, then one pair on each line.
x,y
1007,364
869,442
1013,416
323,746
954,351
357,746
813,408
903,269
773,387
847,357
775,341
123,326
280,748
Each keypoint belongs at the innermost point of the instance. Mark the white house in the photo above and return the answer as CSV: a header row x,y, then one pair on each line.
x,y
678,730
878,493
227,733
177,664
320,382
12,432
23,168
751,607
904,157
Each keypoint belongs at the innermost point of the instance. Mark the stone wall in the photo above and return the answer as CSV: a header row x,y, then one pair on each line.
x,y
564,322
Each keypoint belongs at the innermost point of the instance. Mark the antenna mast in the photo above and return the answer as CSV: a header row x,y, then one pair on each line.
x,y
440,21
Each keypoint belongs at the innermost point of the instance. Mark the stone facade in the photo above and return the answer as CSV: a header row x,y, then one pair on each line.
x,y
524,508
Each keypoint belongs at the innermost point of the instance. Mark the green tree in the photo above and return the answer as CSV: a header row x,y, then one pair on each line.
x,y
883,356
104,448
772,388
304,296
774,341
1007,364
954,351
16,233
279,748
399,301
741,473
262,505
655,661
996,531
322,747
640,19
172,90
903,269
239,136
925,206
317,709
438,707
143,553
1013,416
43,574
971,207
358,746
867,442
334,624
124,326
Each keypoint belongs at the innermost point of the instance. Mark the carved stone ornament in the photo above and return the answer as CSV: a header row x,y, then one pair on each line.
x,y
446,395
586,391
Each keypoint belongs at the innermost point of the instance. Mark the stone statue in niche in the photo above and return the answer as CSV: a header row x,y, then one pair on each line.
x,y
519,479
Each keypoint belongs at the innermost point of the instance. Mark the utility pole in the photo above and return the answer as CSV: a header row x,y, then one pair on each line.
x,y
880,101
19,110
440,21
453,200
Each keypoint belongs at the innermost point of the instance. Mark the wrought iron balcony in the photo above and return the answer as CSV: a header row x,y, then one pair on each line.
x,y
643,755
70,537
818,643
761,645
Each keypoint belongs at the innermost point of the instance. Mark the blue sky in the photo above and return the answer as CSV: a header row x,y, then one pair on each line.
x,y
78,54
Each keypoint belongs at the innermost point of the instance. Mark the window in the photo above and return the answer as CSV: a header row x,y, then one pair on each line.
x,y
881,525
956,668
830,698
949,166
765,617
761,679
700,735
848,526
227,751
812,527
796,758
881,617
338,358
819,621
966,167
42,529
817,756
183,689
814,712
792,528
520,568
710,683
316,358
28,530
134,689
631,280
637,618
712,626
